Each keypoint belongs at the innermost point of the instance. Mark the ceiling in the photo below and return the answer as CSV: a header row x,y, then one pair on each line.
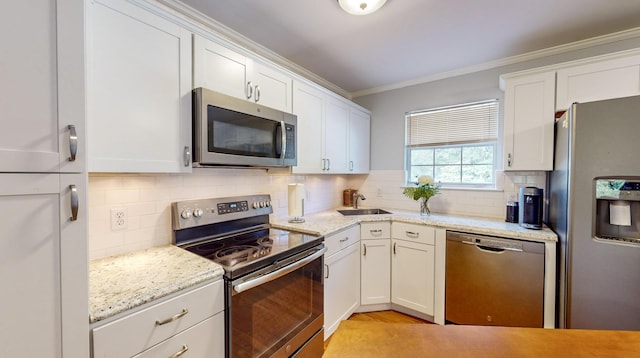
x,y
412,39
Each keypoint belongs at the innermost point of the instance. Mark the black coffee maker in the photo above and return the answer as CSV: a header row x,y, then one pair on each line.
x,y
530,201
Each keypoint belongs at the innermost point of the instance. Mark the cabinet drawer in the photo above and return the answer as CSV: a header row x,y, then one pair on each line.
x,y
205,339
138,331
412,232
342,239
375,230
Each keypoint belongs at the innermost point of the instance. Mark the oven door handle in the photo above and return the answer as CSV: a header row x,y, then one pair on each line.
x,y
277,273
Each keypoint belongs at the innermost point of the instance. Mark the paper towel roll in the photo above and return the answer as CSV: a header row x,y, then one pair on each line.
x,y
297,194
620,213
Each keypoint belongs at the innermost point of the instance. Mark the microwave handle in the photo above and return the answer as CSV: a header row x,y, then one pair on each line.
x,y
283,133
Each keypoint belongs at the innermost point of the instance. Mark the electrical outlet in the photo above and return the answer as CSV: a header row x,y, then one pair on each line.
x,y
119,219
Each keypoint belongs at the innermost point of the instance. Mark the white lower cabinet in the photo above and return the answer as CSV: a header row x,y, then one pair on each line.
x,y
341,278
375,263
413,267
191,322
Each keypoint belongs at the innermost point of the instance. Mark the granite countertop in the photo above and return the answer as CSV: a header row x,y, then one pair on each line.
x,y
120,283
331,221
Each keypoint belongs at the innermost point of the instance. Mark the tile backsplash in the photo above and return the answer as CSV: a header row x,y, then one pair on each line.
x,y
146,199
383,188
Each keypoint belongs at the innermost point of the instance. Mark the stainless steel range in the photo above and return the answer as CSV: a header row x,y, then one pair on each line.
x,y
273,278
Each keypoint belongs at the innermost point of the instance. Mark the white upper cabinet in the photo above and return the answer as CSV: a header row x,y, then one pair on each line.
x,y
138,90
529,114
43,120
599,80
359,141
223,70
333,135
308,105
336,131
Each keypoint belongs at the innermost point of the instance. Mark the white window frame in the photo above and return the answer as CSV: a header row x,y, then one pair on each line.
x,y
459,144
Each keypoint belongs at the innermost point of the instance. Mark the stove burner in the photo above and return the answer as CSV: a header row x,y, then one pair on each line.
x,y
265,241
234,255
203,249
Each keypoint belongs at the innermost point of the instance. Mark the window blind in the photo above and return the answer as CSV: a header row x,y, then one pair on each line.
x,y
459,124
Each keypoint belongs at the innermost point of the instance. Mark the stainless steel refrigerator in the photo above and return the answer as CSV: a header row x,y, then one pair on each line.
x,y
594,207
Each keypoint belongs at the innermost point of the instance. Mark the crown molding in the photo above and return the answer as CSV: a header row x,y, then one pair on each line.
x,y
572,46
238,39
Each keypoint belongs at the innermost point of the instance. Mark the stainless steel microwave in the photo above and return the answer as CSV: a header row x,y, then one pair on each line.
x,y
235,132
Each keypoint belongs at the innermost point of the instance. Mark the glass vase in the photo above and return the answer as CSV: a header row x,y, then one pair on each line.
x,y
424,207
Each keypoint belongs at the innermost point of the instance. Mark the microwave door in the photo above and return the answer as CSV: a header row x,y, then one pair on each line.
x,y
280,141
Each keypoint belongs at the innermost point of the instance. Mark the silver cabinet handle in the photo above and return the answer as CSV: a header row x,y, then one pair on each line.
x,y
364,251
509,160
73,143
345,239
412,234
326,275
180,352
328,164
173,318
249,89
324,164
257,96
394,247
377,231
74,202
351,165
187,156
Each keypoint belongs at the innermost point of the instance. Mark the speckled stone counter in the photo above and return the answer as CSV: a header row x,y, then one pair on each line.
x,y
331,221
120,283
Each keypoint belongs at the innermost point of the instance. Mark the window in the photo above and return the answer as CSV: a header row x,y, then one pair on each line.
x,y
455,145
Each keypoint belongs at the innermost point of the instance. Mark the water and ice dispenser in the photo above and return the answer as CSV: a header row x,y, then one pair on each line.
x,y
618,209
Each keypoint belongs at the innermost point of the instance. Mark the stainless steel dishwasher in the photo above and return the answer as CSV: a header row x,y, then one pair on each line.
x,y
494,281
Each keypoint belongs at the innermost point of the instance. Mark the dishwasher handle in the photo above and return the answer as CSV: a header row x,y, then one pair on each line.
x,y
493,248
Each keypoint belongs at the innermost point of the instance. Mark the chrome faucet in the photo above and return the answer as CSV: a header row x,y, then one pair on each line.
x,y
357,196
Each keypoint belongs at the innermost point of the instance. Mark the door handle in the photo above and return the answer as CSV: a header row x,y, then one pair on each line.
x,y
74,203
257,93
249,89
364,247
73,143
187,156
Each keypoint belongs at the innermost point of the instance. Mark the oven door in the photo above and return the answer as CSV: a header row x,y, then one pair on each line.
x,y
275,311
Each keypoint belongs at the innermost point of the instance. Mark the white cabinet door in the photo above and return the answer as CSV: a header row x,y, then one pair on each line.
x,y
138,90
375,266
272,88
42,86
413,274
308,105
43,266
341,287
219,69
529,114
223,70
359,141
336,131
614,78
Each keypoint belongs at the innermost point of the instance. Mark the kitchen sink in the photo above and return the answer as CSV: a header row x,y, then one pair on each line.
x,y
363,212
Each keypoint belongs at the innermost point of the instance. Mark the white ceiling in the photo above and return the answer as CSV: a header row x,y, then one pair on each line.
x,y
412,39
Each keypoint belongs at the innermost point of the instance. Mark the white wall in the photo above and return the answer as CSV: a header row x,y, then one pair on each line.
x,y
383,189
147,199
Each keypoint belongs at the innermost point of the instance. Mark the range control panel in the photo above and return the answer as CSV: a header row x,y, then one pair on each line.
x,y
192,213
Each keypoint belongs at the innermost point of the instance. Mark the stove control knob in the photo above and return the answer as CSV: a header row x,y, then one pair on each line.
x,y
197,213
256,205
186,213
262,204
268,204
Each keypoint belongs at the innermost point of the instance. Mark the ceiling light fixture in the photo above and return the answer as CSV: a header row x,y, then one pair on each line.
x,y
361,7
